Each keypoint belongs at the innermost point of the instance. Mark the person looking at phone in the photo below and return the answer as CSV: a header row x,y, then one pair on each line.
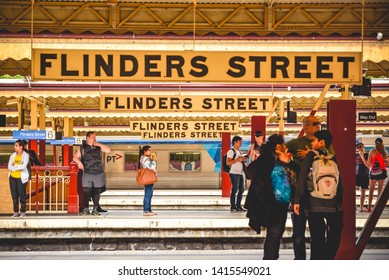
x,y
236,160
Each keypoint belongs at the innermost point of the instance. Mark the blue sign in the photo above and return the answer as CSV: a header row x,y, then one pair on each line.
x,y
29,134
64,141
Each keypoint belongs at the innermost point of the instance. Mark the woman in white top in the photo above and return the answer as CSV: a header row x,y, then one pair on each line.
x,y
147,159
18,178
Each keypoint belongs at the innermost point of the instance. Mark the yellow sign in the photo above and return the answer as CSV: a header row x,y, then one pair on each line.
x,y
183,126
181,103
197,66
181,135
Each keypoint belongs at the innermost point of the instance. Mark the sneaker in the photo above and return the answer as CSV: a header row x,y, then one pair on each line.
x,y
95,212
22,215
153,213
101,210
84,212
148,214
233,209
368,210
240,209
15,215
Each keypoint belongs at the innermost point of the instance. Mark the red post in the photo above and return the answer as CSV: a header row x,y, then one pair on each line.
x,y
258,123
341,123
67,154
36,169
42,152
73,200
33,145
226,182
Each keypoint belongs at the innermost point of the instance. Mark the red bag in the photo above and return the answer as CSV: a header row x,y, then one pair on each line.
x,y
145,176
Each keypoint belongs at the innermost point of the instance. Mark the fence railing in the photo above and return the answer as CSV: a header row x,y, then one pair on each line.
x,y
53,189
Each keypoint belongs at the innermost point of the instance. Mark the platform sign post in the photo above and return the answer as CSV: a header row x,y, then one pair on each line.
x,y
342,124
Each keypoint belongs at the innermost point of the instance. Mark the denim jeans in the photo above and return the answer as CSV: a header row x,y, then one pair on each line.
x,y
298,237
147,198
237,190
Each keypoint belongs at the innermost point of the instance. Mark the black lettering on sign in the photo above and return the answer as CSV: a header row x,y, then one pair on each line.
x,y
279,63
346,61
174,62
149,66
236,63
320,67
106,66
257,64
64,70
85,59
46,64
202,67
299,66
124,59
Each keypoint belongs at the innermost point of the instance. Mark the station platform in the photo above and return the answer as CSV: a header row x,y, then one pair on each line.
x,y
185,220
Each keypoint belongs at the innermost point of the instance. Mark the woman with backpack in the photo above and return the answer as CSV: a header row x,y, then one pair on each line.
x,y
377,161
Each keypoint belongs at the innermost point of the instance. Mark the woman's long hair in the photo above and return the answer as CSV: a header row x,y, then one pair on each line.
x,y
142,151
381,149
268,149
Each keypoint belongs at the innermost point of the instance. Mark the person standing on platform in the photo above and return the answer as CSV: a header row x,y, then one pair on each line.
x,y
18,178
236,160
255,147
147,159
89,159
377,161
34,161
362,174
325,197
299,147
274,179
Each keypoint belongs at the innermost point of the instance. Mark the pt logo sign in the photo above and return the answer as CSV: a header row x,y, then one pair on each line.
x,y
113,158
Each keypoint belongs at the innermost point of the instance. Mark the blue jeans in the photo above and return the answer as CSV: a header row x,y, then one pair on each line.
x,y
237,190
147,198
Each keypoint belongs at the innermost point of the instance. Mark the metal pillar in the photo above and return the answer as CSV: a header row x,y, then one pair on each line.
x,y
341,123
258,123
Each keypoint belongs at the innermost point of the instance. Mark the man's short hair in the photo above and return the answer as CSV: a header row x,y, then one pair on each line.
x,y
236,139
89,133
324,135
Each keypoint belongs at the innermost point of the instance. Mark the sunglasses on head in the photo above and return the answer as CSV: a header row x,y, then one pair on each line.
x,y
358,147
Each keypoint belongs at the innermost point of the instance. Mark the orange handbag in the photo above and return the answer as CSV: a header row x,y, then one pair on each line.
x,y
145,176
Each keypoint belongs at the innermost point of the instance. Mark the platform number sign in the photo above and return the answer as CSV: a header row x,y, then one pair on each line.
x,y
78,140
50,135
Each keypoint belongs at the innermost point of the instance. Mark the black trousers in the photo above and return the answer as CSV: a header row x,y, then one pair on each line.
x,y
275,231
298,236
326,229
18,193
95,196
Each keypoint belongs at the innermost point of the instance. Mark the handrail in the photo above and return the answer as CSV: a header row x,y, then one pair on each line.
x,y
70,178
48,185
372,221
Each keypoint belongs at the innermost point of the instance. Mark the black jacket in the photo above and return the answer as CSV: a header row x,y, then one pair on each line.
x,y
260,198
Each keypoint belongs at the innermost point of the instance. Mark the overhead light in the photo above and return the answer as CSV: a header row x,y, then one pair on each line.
x,y
379,36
